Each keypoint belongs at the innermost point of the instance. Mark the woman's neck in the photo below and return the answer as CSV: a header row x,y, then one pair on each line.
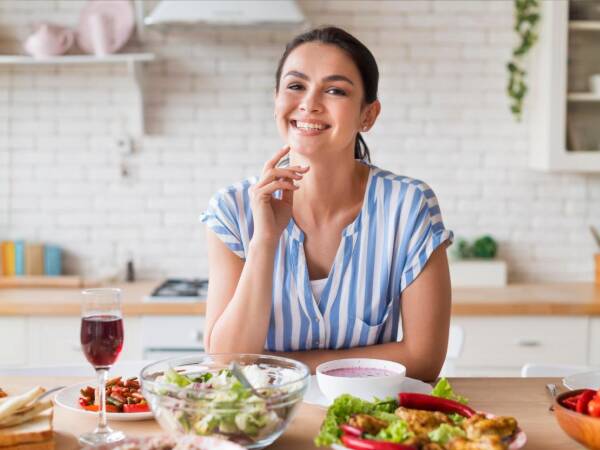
x,y
330,191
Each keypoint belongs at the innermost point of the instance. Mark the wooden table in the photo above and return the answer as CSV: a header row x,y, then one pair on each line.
x,y
524,398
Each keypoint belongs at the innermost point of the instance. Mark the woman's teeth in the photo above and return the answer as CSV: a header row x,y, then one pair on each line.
x,y
310,126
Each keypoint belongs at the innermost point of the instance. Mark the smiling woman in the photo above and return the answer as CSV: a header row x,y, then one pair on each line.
x,y
328,256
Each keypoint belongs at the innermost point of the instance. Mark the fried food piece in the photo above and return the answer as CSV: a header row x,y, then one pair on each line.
x,y
422,422
488,442
367,423
432,446
2,393
478,425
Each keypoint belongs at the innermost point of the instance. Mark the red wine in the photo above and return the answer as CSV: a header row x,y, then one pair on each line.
x,y
101,339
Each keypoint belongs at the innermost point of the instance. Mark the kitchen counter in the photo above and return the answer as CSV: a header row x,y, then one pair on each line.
x,y
523,398
515,299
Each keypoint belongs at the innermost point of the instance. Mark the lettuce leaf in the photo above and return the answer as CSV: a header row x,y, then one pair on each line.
x,y
340,411
444,433
397,432
444,390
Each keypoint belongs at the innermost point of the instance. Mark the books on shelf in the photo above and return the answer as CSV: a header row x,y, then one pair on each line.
x,y
20,258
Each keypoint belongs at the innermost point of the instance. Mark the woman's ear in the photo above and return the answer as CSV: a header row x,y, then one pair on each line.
x,y
369,115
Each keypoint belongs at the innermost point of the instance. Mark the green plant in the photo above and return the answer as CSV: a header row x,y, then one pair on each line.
x,y
483,247
527,16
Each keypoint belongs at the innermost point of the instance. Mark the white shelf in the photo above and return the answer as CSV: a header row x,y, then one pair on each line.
x,y
78,59
134,65
550,99
583,97
589,25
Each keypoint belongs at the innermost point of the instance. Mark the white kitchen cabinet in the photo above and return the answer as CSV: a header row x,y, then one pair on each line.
x,y
13,337
55,340
500,346
564,135
164,336
595,342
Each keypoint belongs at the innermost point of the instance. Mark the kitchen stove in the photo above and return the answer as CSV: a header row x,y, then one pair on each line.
x,y
180,290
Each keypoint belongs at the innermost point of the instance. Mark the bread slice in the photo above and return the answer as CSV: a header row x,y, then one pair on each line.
x,y
44,445
38,429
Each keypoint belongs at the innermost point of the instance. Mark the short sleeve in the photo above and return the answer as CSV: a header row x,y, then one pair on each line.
x,y
426,232
223,218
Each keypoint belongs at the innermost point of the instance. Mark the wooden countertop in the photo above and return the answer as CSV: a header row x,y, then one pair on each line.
x,y
66,301
523,398
514,299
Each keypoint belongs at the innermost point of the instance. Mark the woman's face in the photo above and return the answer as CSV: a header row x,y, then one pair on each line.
x,y
319,105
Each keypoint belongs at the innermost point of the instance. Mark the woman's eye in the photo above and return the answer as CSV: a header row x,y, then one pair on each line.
x,y
336,91
295,86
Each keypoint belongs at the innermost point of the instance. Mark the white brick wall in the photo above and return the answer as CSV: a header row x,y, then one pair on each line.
x,y
445,119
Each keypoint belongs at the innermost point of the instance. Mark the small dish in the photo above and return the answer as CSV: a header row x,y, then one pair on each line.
x,y
314,396
586,380
362,377
68,398
580,427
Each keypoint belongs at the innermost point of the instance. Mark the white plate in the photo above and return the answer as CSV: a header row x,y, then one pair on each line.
x,y
68,398
314,396
589,380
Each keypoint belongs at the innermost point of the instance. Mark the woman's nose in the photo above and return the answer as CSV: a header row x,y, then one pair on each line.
x,y
310,103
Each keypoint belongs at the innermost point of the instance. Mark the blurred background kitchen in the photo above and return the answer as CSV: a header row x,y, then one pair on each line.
x,y
111,151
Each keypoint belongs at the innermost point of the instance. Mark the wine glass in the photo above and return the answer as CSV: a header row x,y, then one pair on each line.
x,y
101,341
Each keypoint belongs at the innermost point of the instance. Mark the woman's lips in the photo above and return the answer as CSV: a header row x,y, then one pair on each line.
x,y
309,128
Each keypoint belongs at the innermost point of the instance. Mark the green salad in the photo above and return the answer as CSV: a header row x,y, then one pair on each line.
x,y
217,403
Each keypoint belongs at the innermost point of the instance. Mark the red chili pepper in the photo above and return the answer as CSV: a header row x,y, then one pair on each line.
x,y
356,443
349,429
136,408
582,402
431,403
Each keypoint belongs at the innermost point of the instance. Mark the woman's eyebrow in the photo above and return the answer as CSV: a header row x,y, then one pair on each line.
x,y
295,73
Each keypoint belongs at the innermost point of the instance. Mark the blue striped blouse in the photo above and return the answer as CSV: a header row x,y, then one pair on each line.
x,y
380,254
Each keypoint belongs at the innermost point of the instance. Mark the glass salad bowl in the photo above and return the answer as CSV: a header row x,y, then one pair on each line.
x,y
200,395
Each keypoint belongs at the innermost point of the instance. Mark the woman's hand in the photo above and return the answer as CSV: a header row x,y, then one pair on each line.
x,y
272,215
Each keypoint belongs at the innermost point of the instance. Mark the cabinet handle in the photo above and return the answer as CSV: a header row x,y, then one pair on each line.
x,y
197,335
525,342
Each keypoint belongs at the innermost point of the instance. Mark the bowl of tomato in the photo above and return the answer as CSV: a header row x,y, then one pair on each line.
x,y
578,414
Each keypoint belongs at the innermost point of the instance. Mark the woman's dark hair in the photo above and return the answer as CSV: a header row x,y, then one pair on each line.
x,y
358,52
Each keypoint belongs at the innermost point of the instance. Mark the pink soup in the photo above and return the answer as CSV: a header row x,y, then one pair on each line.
x,y
359,372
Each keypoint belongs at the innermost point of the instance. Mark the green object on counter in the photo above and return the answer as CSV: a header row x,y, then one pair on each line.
x,y
484,247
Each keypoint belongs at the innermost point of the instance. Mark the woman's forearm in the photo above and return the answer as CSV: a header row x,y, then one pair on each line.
x,y
244,323
417,366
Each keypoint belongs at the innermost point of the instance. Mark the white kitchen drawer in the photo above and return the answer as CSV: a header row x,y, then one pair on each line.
x,y
13,336
511,341
55,341
173,332
595,342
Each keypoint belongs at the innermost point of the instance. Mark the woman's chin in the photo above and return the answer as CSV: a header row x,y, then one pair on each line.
x,y
303,149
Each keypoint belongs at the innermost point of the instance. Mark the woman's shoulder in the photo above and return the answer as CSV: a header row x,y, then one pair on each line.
x,y
237,187
398,181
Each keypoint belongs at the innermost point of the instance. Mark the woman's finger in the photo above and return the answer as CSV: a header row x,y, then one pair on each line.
x,y
274,174
275,159
274,186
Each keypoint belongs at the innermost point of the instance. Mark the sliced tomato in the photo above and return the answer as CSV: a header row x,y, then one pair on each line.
x,y
582,403
593,407
136,408
96,408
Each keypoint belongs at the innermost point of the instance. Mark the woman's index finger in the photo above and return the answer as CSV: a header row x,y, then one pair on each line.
x,y
272,163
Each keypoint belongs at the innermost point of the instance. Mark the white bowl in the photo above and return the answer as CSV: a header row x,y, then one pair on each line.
x,y
366,387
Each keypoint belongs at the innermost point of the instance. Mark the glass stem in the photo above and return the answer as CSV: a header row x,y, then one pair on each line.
x,y
102,374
